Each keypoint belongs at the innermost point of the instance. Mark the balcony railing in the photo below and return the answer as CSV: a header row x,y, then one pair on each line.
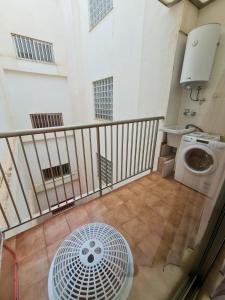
x,y
45,170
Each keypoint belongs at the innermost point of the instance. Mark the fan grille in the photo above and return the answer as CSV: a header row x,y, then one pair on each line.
x,y
92,263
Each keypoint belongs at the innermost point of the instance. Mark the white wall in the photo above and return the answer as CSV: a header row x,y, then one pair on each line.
x,y
112,48
37,93
210,115
41,20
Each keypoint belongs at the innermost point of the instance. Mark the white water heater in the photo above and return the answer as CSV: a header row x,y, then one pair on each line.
x,y
199,55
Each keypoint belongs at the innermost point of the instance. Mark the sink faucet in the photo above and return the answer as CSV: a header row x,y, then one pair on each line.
x,y
194,126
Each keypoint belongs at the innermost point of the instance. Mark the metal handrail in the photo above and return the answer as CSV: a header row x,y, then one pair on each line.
x,y
123,150
72,127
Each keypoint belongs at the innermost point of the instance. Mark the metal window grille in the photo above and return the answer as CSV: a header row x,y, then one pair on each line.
x,y
46,120
33,49
55,172
98,9
103,96
106,169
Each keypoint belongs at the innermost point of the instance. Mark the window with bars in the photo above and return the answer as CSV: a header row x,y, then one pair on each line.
x,y
56,172
103,97
98,9
33,49
46,120
106,169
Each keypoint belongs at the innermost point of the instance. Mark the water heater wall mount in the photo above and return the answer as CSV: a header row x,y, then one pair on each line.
x,y
199,55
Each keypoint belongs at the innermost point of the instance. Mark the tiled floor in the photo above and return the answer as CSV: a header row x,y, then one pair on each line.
x,y
158,217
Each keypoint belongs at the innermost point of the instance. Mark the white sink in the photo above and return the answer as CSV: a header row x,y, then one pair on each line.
x,y
177,129
174,134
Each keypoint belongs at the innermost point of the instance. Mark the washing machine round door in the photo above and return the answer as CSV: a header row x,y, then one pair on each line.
x,y
199,159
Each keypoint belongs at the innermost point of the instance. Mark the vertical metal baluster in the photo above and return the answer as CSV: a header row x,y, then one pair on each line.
x,y
148,134
121,177
4,216
92,170
78,168
117,153
131,147
143,146
154,144
139,148
39,164
150,150
60,164
68,156
99,160
111,155
18,176
50,164
106,156
135,153
127,149
84,157
29,171
10,194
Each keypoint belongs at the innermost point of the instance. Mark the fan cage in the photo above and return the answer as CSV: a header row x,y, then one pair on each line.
x,y
93,262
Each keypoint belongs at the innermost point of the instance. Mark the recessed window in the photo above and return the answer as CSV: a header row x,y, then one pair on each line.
x,y
98,9
103,96
56,172
106,169
33,49
46,120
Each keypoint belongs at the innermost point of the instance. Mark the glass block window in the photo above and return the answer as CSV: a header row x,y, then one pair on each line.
x,y
33,49
98,9
103,96
106,169
55,172
46,120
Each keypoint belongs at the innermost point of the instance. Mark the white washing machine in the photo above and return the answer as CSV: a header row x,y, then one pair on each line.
x,y
200,162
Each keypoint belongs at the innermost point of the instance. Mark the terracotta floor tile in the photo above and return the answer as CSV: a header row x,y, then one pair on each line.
x,y
95,207
56,229
153,221
111,200
76,217
30,241
38,291
32,269
121,214
125,193
136,229
161,209
51,250
152,214
135,207
149,246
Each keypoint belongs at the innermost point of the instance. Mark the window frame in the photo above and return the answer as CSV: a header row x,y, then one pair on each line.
x,y
92,25
63,170
35,50
98,111
33,116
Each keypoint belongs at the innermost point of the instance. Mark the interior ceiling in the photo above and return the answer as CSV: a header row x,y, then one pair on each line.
x,y
198,3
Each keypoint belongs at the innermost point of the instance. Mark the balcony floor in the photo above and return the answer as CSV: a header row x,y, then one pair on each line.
x,y
158,217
